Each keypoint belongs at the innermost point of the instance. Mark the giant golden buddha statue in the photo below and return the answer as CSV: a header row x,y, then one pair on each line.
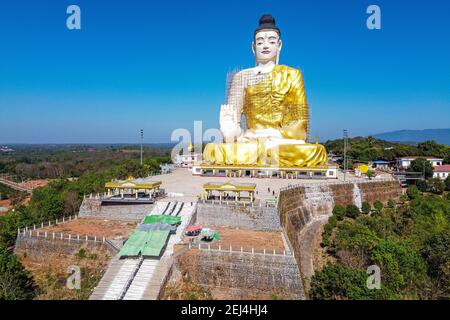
x,y
272,99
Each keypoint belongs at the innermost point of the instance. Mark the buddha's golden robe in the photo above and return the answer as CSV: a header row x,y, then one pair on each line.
x,y
277,101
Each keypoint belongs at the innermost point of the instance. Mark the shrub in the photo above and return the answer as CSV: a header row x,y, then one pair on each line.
x,y
352,211
82,253
339,211
370,174
404,198
366,208
447,183
337,281
378,205
328,229
391,203
15,282
436,185
422,185
412,192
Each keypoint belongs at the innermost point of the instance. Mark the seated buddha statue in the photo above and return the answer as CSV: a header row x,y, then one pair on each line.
x,y
272,100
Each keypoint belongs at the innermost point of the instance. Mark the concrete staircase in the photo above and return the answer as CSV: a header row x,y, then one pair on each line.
x,y
116,279
142,279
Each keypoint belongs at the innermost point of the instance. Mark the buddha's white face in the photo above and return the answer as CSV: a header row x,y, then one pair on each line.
x,y
266,46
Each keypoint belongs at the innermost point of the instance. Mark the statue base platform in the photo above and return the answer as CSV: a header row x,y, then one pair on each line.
x,y
255,171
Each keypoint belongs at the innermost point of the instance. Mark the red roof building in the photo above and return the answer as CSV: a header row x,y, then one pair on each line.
x,y
441,171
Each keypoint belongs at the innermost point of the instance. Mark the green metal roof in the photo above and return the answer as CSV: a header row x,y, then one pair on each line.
x,y
146,243
162,219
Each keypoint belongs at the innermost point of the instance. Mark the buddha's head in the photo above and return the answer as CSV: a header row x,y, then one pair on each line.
x,y
266,41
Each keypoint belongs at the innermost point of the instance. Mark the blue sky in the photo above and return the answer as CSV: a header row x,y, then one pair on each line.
x,y
160,65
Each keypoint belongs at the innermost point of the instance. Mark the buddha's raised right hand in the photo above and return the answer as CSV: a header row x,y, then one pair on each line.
x,y
229,125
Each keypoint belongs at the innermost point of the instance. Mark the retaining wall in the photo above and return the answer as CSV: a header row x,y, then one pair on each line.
x,y
94,208
40,248
237,216
236,275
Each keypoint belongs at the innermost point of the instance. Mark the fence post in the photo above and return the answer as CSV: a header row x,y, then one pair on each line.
x,y
56,221
31,233
242,249
103,239
231,248
86,238
18,231
220,247
42,224
253,250
70,237
273,251
46,235
78,237
61,236
264,251
34,227
63,219
38,234
53,236
95,239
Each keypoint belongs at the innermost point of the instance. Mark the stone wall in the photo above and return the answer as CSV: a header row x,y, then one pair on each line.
x,y
236,275
236,216
94,208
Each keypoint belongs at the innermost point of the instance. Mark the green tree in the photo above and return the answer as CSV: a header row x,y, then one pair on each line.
x,y
15,282
352,211
412,192
447,183
378,205
339,211
338,282
422,165
366,208
437,255
391,203
422,185
436,185
370,174
402,268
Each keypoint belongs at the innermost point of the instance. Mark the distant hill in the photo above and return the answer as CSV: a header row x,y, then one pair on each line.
x,y
441,136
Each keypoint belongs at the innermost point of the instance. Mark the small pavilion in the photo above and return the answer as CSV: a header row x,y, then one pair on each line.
x,y
132,187
231,190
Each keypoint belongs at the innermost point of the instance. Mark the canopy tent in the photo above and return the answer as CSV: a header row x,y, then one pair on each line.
x,y
195,228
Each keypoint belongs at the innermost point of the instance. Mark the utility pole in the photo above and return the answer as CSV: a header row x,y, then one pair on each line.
x,y
142,139
345,152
